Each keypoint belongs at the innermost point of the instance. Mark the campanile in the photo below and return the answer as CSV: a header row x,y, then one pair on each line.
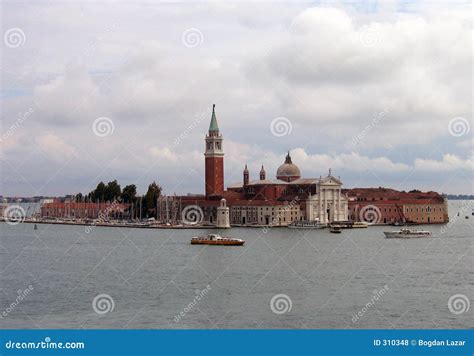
x,y
214,156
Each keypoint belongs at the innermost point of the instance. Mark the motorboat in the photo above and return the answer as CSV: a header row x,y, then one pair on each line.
x,y
335,230
349,224
304,224
215,239
407,233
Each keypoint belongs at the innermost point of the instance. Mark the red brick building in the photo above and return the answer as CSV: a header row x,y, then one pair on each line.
x,y
384,205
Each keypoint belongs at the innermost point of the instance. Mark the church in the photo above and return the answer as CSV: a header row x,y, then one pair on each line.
x,y
267,202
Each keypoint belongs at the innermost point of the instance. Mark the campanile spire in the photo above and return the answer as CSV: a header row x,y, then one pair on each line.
x,y
213,126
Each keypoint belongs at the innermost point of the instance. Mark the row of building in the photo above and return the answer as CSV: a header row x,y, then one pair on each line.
x,y
372,205
279,201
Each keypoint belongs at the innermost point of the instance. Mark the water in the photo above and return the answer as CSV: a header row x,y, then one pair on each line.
x,y
153,276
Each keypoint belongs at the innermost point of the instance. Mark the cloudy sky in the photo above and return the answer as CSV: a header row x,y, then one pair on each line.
x,y
381,92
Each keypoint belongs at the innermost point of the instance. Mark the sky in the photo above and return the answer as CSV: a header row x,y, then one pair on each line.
x,y
380,92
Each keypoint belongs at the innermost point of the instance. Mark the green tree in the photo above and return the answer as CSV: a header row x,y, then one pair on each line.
x,y
79,197
99,193
151,197
112,191
129,193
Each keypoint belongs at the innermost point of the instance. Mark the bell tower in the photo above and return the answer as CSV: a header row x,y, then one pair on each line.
x,y
214,159
246,175
262,173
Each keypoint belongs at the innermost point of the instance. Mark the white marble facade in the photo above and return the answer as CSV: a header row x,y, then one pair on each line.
x,y
328,204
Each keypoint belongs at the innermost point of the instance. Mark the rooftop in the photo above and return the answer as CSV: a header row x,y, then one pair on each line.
x,y
213,127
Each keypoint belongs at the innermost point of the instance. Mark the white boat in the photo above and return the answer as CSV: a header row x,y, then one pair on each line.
x,y
359,225
335,230
407,233
349,224
215,239
303,224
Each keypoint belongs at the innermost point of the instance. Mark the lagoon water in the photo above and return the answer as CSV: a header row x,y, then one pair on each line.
x,y
154,277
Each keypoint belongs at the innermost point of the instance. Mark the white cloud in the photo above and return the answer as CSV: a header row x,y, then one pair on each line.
x,y
55,148
328,69
448,163
348,161
164,154
338,71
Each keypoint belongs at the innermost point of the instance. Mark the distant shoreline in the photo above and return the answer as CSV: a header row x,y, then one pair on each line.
x,y
139,226
135,226
177,227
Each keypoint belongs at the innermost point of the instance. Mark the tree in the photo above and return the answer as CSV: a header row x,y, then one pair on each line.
x,y
99,193
151,197
112,191
129,193
104,193
79,197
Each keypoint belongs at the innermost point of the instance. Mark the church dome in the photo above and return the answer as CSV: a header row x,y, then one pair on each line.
x,y
288,171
